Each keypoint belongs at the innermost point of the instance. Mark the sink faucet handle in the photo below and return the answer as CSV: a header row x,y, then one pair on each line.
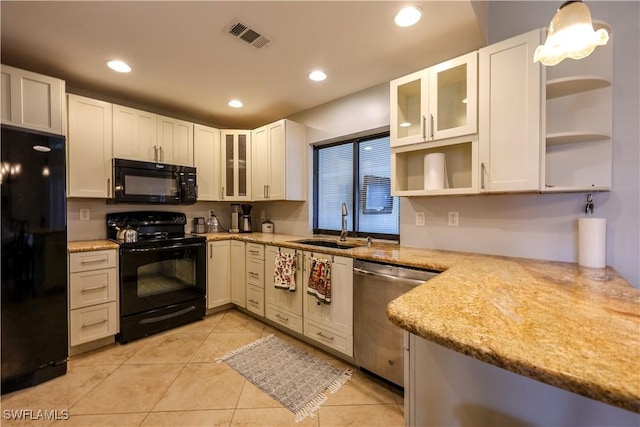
x,y
369,241
344,209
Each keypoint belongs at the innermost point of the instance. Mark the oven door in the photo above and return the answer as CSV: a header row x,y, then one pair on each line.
x,y
142,182
160,276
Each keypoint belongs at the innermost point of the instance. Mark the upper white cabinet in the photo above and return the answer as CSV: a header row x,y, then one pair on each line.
x,y
279,166
32,101
236,165
89,148
510,99
206,149
175,141
135,134
577,154
435,103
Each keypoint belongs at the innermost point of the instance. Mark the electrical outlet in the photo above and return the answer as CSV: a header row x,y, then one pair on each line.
x,y
211,213
453,219
85,214
419,219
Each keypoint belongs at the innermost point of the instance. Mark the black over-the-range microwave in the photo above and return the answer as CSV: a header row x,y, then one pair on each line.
x,y
147,182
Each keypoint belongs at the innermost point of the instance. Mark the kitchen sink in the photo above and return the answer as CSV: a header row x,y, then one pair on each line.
x,y
334,244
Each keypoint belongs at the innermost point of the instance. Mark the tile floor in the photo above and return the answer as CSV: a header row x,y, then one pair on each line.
x,y
172,379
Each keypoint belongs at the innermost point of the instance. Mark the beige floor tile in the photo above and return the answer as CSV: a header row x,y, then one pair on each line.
x,y
234,321
361,390
115,354
361,415
218,344
102,420
269,417
203,386
205,325
216,418
253,397
59,393
170,348
130,388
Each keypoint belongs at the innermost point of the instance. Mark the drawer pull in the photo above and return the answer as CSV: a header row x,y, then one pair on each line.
x,y
93,260
252,274
284,319
88,325
93,288
254,252
321,335
253,301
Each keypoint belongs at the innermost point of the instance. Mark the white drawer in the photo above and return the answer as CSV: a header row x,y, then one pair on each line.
x,y
284,318
339,342
255,250
92,287
255,299
93,260
91,323
255,272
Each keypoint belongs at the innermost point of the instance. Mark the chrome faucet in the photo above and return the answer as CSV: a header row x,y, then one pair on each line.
x,y
343,232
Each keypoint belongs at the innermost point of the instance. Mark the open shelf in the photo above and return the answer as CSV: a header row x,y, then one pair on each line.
x,y
571,85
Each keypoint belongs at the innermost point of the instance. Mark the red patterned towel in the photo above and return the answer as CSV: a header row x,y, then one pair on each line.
x,y
320,280
285,271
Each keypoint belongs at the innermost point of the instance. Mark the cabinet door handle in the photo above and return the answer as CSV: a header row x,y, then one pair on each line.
x,y
155,153
88,325
482,171
284,319
222,193
161,154
269,191
321,335
431,126
210,250
109,187
424,127
93,288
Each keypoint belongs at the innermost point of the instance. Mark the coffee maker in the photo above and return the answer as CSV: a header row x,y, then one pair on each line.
x,y
245,219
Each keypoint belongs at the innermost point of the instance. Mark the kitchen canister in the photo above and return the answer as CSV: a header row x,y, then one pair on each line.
x,y
267,226
435,172
592,242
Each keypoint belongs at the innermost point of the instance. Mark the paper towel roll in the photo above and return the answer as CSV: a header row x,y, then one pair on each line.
x,y
592,242
435,172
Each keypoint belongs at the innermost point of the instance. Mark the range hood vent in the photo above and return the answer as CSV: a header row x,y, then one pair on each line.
x,y
244,32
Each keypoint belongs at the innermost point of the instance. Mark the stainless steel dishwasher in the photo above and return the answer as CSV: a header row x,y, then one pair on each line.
x,y
377,341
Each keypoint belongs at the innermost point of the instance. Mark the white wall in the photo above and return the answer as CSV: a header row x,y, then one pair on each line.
x,y
540,226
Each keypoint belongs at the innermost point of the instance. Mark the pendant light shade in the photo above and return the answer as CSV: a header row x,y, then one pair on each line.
x,y
571,35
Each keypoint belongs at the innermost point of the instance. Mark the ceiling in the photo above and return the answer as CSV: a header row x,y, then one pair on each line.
x,y
185,64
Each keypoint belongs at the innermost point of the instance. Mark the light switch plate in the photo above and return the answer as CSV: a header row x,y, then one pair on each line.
x,y
419,219
85,214
453,219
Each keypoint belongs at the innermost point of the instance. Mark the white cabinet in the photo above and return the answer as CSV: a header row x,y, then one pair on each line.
x,y
93,288
89,148
435,103
175,141
254,279
510,131
32,101
238,269
282,305
331,324
218,273
135,134
577,153
278,150
206,149
236,165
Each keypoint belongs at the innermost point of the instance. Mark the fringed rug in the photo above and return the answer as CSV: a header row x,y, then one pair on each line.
x,y
291,376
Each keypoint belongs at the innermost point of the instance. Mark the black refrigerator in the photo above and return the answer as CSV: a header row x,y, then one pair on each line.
x,y
34,258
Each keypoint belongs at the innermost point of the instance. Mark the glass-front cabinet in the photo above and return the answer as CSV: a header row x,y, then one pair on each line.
x,y
435,103
236,167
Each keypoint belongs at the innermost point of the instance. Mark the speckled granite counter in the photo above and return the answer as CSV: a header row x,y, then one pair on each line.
x,y
91,245
572,327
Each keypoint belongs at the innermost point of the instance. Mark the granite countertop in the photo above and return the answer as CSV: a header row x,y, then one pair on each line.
x,y
572,327
91,245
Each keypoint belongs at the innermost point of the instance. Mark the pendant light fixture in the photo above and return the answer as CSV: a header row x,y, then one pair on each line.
x,y
570,34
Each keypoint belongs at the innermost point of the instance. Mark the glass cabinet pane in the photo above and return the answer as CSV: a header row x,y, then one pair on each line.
x,y
452,98
228,162
409,104
242,165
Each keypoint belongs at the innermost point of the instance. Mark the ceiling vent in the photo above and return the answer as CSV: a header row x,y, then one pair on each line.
x,y
243,32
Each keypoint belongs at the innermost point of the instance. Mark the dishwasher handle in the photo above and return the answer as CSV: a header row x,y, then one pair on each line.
x,y
387,276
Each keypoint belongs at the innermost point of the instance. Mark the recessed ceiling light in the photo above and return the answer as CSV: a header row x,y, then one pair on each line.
x,y
317,76
235,103
408,16
119,66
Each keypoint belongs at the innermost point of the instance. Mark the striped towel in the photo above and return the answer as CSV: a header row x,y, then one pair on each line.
x,y
284,276
319,283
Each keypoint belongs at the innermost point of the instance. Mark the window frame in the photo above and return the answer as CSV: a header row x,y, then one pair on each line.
x,y
354,209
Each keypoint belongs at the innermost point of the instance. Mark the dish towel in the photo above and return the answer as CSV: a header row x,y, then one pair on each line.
x,y
319,283
285,271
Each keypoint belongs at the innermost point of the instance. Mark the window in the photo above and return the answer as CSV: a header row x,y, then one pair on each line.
x,y
356,172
